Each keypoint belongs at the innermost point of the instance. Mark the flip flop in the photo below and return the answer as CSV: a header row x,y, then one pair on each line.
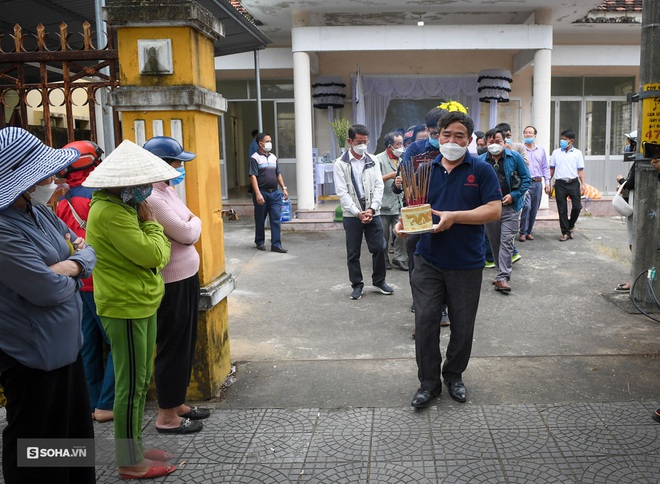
x,y
154,471
622,287
187,427
157,454
197,413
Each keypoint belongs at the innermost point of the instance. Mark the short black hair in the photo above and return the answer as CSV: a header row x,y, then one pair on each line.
x,y
357,129
492,132
568,134
479,134
389,138
261,136
255,132
457,117
418,129
530,126
503,127
433,117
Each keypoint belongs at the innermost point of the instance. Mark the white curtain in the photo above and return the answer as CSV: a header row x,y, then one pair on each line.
x,y
378,91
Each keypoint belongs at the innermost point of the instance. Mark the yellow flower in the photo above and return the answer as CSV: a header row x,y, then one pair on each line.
x,y
453,106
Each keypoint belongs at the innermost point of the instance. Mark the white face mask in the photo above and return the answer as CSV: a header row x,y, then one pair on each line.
x,y
452,151
398,151
268,147
360,149
42,193
495,149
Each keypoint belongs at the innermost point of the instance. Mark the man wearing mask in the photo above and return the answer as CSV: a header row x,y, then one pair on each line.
x,y
390,209
567,168
514,180
265,177
539,170
359,185
464,194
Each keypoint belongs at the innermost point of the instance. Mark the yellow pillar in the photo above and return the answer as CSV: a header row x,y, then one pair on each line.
x,y
167,81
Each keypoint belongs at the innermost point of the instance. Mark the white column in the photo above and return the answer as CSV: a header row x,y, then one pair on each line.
x,y
541,103
303,114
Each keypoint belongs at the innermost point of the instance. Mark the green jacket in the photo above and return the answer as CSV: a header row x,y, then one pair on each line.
x,y
130,255
392,202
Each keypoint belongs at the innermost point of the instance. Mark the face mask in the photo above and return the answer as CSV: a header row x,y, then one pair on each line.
x,y
268,147
434,142
42,193
563,144
495,149
508,141
528,141
135,195
180,178
398,151
452,151
628,148
360,149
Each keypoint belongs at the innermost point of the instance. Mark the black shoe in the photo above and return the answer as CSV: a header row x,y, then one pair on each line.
x,y
197,413
656,415
388,264
261,247
423,398
276,248
412,308
401,264
457,390
384,288
357,293
187,427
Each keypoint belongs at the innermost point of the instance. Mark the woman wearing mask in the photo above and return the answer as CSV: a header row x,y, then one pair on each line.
x,y
128,288
176,336
42,263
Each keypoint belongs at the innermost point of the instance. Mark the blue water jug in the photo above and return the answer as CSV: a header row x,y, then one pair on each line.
x,y
286,211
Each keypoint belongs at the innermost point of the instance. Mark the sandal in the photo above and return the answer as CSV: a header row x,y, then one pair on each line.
x,y
197,413
159,469
622,287
157,454
563,238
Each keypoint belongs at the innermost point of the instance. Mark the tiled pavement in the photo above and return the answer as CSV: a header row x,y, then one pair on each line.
x,y
447,443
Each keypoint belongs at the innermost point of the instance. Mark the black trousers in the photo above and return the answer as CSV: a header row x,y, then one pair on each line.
x,y
432,288
562,191
175,341
373,234
45,405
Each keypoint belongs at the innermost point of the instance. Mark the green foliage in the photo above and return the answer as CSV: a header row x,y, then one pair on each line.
x,y
340,127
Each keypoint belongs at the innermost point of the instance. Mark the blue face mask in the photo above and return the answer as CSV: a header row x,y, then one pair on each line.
x,y
628,148
563,144
528,141
434,143
180,178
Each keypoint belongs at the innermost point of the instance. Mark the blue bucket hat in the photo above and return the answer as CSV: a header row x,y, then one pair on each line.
x,y
25,161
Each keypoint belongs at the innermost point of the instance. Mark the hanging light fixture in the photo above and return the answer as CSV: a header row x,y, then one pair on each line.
x,y
494,85
328,92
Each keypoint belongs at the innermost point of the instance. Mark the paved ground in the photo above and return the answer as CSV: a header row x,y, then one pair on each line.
x,y
562,381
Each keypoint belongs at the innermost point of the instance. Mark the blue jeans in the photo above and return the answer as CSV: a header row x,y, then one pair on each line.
x,y
100,380
273,208
531,208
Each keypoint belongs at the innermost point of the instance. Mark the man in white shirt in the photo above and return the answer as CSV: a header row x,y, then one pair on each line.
x,y
359,185
567,167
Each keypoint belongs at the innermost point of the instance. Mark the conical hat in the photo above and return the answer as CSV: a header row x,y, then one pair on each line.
x,y
128,166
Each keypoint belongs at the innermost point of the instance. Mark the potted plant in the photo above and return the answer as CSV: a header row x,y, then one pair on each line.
x,y
340,128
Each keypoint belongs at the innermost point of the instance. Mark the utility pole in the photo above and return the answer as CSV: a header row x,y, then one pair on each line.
x,y
646,205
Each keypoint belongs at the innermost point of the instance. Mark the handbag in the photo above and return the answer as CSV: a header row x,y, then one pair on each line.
x,y
620,205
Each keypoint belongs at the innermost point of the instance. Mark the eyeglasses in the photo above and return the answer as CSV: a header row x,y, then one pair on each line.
x,y
433,134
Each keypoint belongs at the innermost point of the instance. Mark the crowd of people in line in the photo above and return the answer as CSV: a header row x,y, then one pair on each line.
x,y
122,221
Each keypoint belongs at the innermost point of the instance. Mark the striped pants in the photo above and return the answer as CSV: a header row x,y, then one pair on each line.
x,y
133,343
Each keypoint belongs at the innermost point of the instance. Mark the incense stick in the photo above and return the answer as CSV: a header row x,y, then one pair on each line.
x,y
416,183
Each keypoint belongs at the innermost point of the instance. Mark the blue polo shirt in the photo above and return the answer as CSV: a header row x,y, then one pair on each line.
x,y
469,185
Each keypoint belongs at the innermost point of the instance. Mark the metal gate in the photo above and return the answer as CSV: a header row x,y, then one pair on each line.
x,y
52,89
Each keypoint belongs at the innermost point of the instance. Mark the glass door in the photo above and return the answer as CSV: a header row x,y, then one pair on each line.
x,y
285,143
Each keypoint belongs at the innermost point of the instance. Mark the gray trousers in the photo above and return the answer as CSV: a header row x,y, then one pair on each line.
x,y
389,221
432,288
501,235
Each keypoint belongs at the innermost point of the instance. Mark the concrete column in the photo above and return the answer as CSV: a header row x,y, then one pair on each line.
x,y
304,137
182,103
541,89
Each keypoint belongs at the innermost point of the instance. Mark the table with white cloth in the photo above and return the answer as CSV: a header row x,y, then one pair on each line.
x,y
324,184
